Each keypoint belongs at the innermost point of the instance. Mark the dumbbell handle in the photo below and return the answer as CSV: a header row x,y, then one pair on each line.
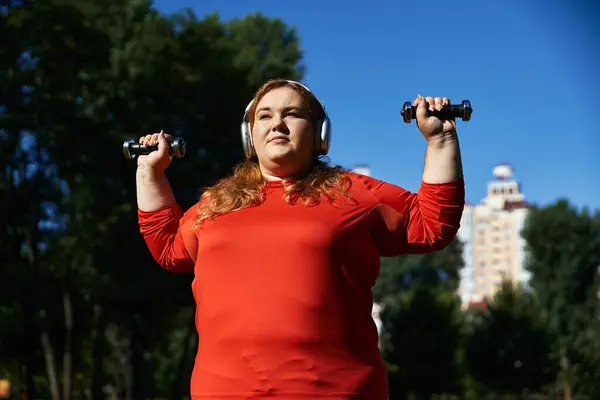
x,y
463,111
131,149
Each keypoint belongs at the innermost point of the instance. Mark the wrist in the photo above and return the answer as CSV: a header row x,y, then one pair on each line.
x,y
442,139
148,173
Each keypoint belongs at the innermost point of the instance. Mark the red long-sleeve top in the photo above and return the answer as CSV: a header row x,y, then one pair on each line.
x,y
283,292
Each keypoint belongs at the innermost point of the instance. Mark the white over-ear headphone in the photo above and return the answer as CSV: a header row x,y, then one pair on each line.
x,y
322,131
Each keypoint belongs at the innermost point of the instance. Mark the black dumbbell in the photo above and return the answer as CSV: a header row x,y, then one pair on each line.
x,y
463,111
131,148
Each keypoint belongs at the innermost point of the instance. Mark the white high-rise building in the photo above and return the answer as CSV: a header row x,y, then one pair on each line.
x,y
491,234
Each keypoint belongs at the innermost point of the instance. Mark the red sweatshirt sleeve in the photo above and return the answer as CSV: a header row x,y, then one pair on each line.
x,y
413,223
169,237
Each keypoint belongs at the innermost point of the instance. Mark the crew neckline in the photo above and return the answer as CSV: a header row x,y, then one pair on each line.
x,y
274,184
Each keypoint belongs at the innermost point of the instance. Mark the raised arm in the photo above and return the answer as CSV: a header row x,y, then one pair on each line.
x,y
152,189
164,227
442,159
404,222
428,220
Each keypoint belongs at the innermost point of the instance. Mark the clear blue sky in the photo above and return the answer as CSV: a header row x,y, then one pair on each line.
x,y
530,69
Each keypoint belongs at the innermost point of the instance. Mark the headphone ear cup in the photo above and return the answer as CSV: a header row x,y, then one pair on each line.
x,y
247,143
324,133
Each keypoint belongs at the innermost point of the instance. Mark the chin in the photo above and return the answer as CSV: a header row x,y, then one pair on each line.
x,y
279,157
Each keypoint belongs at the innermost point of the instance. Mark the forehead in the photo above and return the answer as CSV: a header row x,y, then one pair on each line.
x,y
281,97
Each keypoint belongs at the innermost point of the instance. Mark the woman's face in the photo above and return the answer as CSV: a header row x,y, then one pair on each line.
x,y
282,133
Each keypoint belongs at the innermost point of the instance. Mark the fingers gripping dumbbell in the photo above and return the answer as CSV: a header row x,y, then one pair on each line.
x,y
131,149
462,111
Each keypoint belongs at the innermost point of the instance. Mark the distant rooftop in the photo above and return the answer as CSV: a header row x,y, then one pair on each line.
x,y
503,171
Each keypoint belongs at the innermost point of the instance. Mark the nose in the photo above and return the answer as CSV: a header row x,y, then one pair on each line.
x,y
279,124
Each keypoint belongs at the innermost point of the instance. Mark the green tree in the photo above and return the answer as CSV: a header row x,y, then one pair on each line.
x,y
563,247
421,343
265,48
508,346
439,269
421,322
82,292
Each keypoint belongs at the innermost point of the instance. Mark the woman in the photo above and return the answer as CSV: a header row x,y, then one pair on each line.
x,y
286,250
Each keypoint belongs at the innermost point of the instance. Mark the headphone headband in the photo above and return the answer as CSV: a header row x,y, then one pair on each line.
x,y
299,84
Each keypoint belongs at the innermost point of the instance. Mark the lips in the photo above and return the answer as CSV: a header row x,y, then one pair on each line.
x,y
278,138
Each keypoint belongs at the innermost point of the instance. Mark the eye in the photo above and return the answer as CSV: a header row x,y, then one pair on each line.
x,y
263,116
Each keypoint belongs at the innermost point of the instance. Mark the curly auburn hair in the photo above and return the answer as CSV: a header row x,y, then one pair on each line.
x,y
245,187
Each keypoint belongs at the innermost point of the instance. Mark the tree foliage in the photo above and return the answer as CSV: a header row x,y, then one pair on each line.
x,y
84,310
563,246
84,307
507,345
421,321
421,343
439,269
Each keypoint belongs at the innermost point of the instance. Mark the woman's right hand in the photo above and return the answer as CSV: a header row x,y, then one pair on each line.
x,y
160,159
